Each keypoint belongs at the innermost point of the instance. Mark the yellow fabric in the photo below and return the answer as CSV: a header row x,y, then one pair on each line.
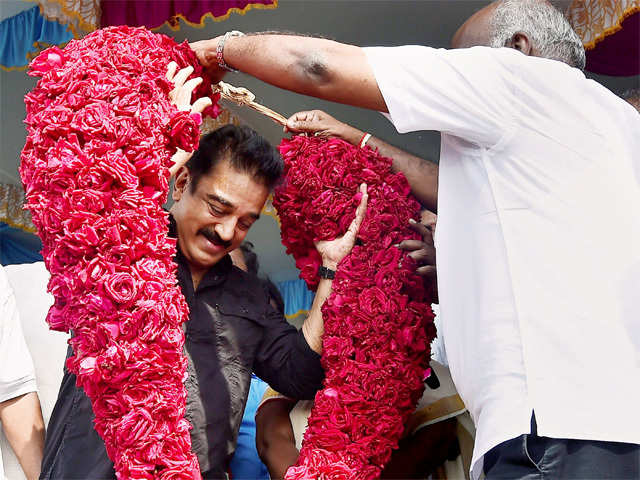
x,y
594,20
11,212
442,409
271,394
82,16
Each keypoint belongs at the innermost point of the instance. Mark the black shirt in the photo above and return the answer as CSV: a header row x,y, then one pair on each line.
x,y
232,330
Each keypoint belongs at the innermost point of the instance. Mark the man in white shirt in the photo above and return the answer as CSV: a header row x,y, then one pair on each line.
x,y
538,238
20,414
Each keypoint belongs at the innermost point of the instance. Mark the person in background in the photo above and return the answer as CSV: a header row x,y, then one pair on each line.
x,y
531,152
47,348
20,412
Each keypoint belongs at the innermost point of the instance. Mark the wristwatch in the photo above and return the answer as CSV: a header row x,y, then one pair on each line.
x,y
324,272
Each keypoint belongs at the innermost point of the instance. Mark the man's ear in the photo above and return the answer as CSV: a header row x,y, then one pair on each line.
x,y
520,41
181,183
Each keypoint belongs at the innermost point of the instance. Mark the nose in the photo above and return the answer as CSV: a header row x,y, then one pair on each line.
x,y
226,229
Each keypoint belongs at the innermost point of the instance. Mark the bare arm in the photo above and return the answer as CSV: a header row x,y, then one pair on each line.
x,y
332,252
311,66
421,174
275,440
23,426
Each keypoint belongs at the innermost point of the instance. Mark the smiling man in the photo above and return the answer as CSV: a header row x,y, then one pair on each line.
x,y
232,328
214,205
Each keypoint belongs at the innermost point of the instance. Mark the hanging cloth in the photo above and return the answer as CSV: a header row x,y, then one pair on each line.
x,y
155,13
24,35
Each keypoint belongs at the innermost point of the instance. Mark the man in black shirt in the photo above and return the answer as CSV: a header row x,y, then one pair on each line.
x,y
232,328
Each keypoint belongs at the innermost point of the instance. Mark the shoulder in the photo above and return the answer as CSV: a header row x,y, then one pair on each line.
x,y
246,290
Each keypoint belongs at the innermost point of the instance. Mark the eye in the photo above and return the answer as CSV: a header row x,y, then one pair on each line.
x,y
214,210
244,225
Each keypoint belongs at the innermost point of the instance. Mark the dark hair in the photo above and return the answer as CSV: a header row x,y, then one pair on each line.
x,y
243,148
250,257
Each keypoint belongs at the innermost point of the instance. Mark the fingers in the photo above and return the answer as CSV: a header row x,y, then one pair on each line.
x,y
426,271
181,76
200,104
424,256
182,95
420,228
352,231
411,245
305,121
171,70
428,218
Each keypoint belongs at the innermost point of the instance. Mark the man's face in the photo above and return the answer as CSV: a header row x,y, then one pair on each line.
x,y
215,218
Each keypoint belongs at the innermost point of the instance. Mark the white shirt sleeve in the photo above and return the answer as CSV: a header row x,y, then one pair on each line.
x,y
17,375
466,92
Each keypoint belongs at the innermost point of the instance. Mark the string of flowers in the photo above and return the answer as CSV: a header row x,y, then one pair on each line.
x,y
101,133
378,320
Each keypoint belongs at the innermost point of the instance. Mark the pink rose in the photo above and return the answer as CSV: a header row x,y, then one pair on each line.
x,y
48,59
121,287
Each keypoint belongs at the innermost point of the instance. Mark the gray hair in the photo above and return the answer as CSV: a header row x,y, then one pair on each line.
x,y
547,29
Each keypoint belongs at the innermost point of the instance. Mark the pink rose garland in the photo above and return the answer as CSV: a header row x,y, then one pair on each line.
x,y
378,320
101,133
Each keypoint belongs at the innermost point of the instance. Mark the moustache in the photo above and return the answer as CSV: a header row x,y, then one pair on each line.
x,y
214,238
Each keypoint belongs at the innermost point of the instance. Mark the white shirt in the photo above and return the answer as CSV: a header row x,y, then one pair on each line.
x,y
538,237
48,348
17,375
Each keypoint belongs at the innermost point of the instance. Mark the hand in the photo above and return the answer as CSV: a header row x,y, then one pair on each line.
x,y
322,124
181,97
183,89
205,51
423,252
333,251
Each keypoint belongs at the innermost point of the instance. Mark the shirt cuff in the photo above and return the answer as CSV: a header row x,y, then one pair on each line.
x,y
304,347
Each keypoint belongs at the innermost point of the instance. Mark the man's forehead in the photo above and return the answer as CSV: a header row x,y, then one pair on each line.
x,y
233,188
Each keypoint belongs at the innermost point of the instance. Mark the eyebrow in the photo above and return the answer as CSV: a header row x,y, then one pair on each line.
x,y
220,200
228,204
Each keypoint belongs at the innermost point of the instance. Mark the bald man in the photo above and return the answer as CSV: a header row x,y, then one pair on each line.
x,y
538,237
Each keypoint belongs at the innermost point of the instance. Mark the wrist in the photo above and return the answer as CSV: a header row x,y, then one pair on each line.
x,y
330,264
351,134
222,64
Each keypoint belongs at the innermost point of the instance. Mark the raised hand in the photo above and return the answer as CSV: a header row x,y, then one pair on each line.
x,y
333,251
183,89
181,97
205,51
321,124
423,252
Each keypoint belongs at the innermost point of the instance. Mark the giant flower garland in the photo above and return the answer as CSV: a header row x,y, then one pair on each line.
x,y
378,320
101,133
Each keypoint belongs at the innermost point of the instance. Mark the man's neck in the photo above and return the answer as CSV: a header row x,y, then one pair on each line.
x,y
197,274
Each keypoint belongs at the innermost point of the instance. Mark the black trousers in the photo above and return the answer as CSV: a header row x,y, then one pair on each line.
x,y
530,457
